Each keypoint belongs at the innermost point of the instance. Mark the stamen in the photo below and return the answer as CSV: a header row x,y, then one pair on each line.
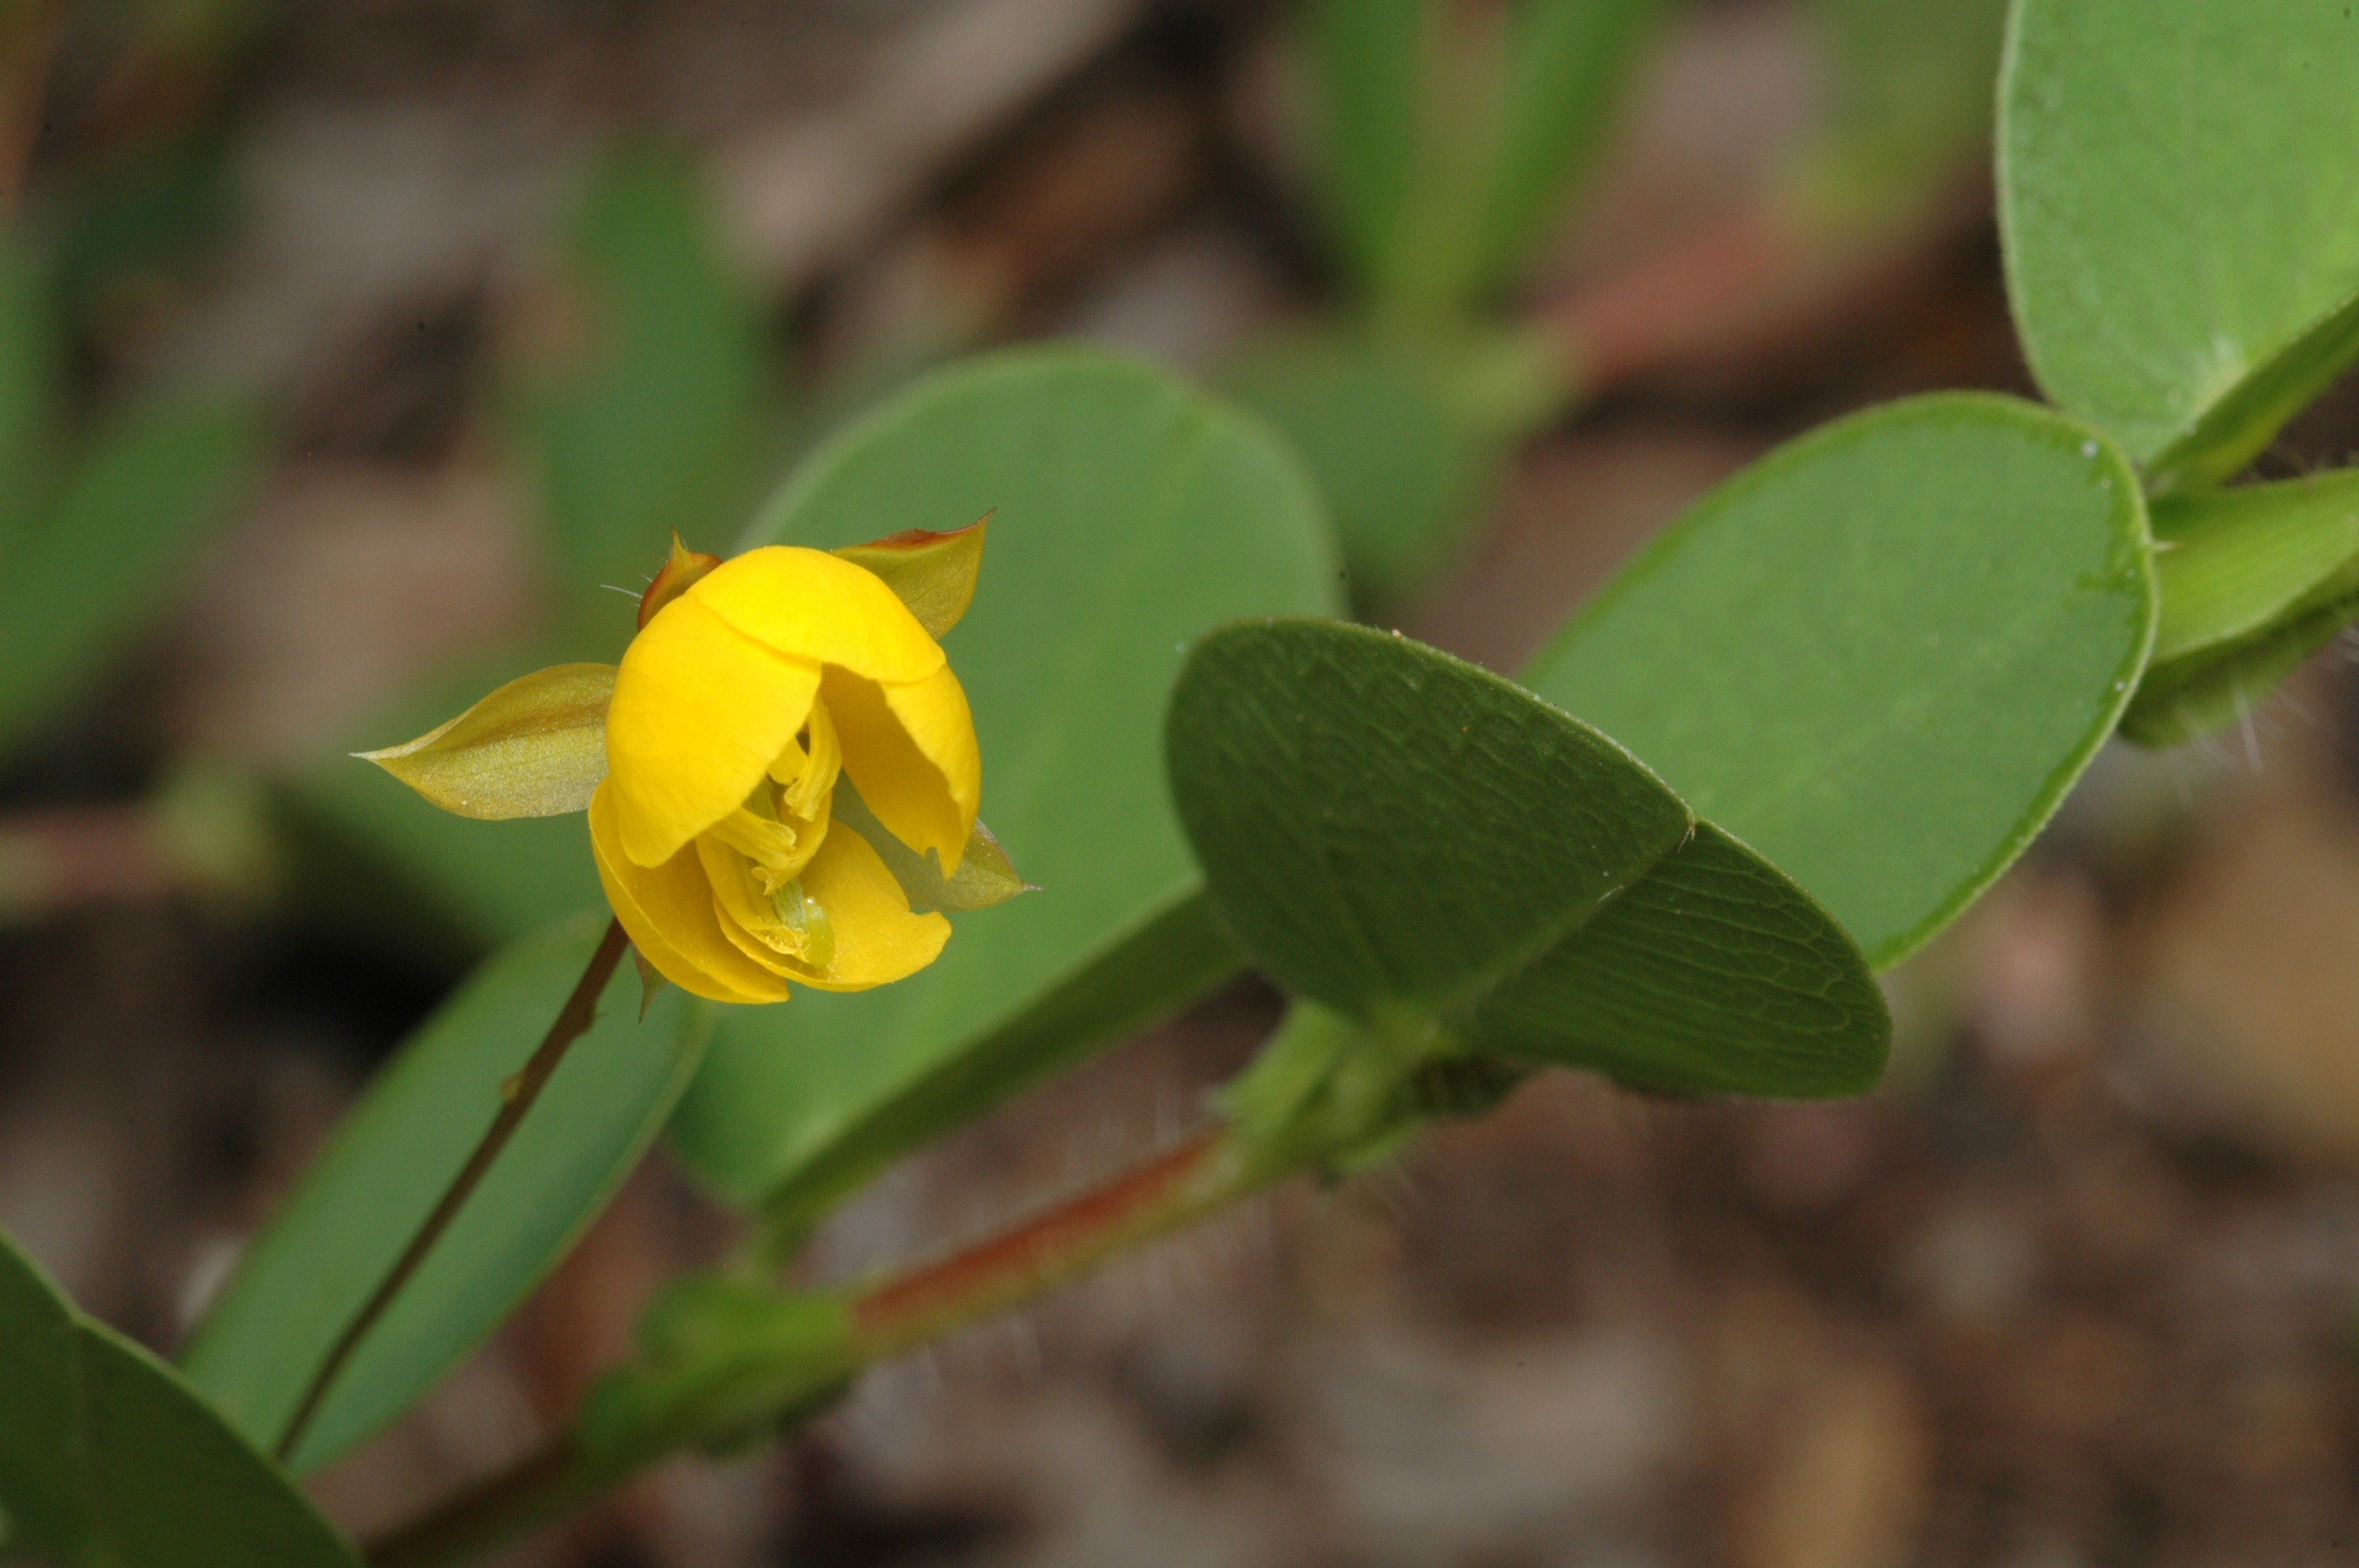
x,y
770,844
801,915
807,796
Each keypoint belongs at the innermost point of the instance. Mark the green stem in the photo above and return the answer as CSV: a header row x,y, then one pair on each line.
x,y
887,1320
1326,1093
573,1021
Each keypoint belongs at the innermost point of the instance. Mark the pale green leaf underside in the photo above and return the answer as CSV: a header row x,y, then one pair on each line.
x,y
1400,836
329,1244
1882,654
1132,513
2180,197
108,1459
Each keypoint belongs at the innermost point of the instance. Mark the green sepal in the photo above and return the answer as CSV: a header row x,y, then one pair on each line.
x,y
933,574
986,876
536,747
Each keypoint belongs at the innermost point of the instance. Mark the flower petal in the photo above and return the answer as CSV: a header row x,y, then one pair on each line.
x,y
911,752
877,940
668,911
700,712
809,604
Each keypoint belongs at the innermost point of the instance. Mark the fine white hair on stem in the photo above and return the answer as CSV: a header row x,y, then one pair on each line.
x,y
2245,726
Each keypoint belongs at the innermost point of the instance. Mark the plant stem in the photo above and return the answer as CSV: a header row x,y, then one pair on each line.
x,y
517,1095
1161,1195
1175,1187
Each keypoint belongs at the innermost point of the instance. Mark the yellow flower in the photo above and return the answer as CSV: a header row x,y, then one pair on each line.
x,y
780,767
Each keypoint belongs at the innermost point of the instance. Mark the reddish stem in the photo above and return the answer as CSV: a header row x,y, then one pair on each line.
x,y
1028,1258
1165,1192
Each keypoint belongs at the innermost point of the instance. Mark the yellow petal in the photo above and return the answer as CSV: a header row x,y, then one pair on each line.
x,y
911,752
534,748
809,605
933,574
877,940
668,911
700,712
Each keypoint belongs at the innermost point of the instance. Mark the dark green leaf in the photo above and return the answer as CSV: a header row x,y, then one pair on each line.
x,y
326,1250
84,573
2181,227
1400,836
108,1458
1882,654
1715,974
1132,513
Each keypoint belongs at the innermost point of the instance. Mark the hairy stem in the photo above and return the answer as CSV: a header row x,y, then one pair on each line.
x,y
573,1021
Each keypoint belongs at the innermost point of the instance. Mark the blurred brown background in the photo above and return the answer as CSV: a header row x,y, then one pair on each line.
x,y
2074,1290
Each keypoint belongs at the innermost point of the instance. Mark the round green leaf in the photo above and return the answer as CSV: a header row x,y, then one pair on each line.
x,y
1131,512
2181,215
326,1250
109,1458
1882,654
1402,837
